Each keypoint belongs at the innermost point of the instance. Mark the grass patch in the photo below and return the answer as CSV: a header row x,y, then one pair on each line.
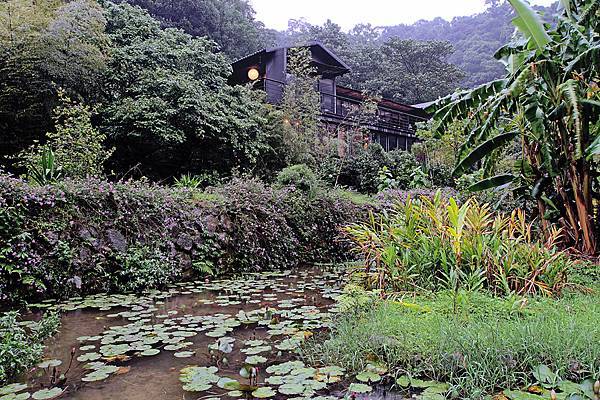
x,y
489,345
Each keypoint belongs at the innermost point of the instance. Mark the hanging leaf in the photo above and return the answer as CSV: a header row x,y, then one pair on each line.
x,y
482,151
493,182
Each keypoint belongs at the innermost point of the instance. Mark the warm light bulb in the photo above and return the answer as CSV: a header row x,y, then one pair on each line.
x,y
253,74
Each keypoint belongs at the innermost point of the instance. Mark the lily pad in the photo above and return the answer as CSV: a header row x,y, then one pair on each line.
x,y
88,357
255,360
291,388
149,352
46,394
95,376
15,396
12,388
263,392
184,354
49,363
368,376
359,388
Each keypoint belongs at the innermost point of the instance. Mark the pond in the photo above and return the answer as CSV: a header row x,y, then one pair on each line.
x,y
216,339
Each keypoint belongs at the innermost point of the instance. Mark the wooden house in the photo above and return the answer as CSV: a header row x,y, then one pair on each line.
x,y
393,127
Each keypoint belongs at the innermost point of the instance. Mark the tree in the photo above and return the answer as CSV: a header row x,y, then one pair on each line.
x,y
169,109
230,23
45,45
414,72
549,101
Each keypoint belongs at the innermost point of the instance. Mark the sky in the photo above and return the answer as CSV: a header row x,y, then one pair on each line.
x,y
347,13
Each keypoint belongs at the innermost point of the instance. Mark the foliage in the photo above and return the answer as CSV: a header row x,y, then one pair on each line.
x,y
21,342
410,71
171,109
45,45
144,267
74,150
437,243
493,344
229,23
548,100
413,72
437,153
300,176
301,107
42,168
90,236
369,169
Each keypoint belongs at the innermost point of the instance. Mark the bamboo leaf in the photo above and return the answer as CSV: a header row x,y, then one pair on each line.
x,y
530,24
493,182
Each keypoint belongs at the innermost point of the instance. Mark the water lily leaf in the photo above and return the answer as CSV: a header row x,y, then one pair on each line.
x,y
95,376
150,352
46,394
88,357
256,350
291,388
519,395
284,368
12,388
403,381
49,363
255,360
263,392
235,393
15,396
544,374
184,354
368,376
275,380
359,388
198,379
222,382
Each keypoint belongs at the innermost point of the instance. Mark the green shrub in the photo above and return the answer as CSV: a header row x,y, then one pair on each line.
x,y
142,268
74,150
300,176
437,243
490,348
21,342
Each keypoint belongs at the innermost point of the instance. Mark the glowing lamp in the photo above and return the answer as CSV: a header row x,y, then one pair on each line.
x,y
253,74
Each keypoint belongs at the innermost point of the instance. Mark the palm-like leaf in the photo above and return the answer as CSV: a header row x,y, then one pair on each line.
x,y
530,24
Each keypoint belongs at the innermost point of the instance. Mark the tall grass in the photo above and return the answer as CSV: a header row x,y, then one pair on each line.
x,y
440,244
491,348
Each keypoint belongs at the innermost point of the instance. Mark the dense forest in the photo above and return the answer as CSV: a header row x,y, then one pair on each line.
x,y
469,42
151,76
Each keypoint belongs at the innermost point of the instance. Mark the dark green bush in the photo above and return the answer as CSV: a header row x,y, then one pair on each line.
x,y
361,169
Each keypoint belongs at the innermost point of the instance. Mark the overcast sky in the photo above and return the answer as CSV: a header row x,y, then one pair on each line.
x,y
347,13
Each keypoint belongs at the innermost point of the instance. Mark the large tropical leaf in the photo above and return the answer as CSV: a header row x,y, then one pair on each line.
x,y
493,182
482,151
530,24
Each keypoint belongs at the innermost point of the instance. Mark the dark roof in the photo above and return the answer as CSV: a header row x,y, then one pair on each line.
x,y
391,104
314,45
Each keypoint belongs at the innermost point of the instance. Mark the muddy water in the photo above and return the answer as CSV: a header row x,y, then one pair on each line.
x,y
272,307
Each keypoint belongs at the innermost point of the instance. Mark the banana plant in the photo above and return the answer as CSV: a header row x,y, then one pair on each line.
x,y
549,105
